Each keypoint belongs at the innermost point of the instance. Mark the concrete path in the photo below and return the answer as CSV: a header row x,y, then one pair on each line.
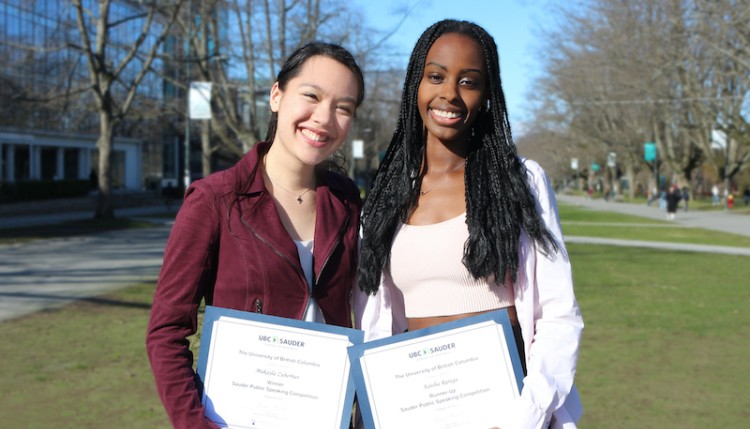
x,y
50,273
723,220
54,272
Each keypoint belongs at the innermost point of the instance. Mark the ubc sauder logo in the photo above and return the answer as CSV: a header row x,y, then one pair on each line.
x,y
280,340
427,351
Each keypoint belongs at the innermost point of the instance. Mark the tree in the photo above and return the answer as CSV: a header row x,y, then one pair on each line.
x,y
117,64
595,70
239,46
622,73
724,36
38,80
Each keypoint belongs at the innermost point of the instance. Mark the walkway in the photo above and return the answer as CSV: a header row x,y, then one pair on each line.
x,y
50,273
722,221
53,272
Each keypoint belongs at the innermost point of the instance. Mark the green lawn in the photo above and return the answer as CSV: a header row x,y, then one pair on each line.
x,y
664,346
81,366
581,221
665,341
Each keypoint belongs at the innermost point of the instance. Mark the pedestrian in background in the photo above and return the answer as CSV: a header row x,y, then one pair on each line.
x,y
673,200
94,180
715,195
685,197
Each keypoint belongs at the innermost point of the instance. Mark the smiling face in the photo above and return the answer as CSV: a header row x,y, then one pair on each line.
x,y
452,88
315,110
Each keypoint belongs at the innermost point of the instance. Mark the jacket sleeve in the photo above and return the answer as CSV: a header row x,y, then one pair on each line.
x,y
380,315
185,278
551,323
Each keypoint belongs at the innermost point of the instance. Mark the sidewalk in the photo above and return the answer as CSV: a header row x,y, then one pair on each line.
x,y
36,213
723,221
50,273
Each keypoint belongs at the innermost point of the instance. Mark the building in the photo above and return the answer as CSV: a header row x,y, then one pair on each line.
x,y
48,130
48,155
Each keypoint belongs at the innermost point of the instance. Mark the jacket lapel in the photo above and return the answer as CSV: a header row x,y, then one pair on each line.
x,y
332,218
259,213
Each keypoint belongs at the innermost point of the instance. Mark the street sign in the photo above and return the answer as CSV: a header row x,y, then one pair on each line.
x,y
199,99
611,159
358,149
649,151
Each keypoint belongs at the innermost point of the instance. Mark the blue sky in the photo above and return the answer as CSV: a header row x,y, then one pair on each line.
x,y
513,24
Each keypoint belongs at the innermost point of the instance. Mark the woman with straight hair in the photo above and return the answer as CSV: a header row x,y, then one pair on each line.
x,y
274,234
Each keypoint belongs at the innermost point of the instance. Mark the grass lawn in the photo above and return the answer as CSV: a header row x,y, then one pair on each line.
x,y
665,342
81,366
581,221
665,346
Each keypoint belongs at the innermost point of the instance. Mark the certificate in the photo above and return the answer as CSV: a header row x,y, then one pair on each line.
x,y
451,375
267,372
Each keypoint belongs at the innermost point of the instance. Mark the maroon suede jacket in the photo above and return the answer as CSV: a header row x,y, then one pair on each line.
x,y
229,247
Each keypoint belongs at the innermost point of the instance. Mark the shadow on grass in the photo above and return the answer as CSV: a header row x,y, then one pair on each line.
x,y
56,300
70,229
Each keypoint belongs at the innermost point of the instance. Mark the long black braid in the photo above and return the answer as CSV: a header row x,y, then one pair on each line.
x,y
499,203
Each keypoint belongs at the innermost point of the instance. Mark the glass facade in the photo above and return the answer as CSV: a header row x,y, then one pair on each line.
x,y
48,123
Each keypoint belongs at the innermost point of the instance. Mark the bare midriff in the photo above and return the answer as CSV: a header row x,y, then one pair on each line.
x,y
425,322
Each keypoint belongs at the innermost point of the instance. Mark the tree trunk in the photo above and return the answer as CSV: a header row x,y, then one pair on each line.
x,y
104,206
630,174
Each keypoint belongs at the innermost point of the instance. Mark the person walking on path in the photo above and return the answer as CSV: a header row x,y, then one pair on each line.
x,y
685,197
715,195
673,199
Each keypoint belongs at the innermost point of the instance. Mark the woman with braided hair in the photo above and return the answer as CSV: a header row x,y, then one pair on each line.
x,y
457,224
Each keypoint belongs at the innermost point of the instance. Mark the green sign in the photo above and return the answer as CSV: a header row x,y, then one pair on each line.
x,y
649,151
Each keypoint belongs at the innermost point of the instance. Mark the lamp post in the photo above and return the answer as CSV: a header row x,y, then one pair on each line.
x,y
649,154
574,166
187,144
187,94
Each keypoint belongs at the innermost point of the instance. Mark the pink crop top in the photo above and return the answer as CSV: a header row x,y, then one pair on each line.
x,y
426,267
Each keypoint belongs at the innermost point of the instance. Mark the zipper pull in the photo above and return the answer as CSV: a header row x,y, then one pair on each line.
x,y
258,306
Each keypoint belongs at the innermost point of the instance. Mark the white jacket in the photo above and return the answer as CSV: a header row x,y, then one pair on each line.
x,y
548,313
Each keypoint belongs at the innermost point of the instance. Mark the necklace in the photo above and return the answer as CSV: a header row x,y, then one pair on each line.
x,y
442,175
294,194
